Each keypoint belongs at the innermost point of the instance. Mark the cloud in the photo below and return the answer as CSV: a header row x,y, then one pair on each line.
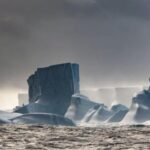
x,y
110,39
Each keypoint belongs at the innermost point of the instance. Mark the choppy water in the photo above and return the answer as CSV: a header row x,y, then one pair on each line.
x,y
43,137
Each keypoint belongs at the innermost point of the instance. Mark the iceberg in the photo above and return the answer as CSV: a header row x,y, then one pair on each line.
x,y
23,99
118,116
5,117
101,114
51,88
119,112
139,111
98,114
80,105
43,118
8,115
118,107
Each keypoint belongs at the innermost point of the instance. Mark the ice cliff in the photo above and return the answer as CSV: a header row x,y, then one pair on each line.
x,y
51,89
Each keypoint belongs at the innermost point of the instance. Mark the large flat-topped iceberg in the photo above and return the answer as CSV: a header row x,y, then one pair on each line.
x,y
53,87
46,83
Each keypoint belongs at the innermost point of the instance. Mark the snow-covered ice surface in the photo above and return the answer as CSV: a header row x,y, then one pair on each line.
x,y
44,137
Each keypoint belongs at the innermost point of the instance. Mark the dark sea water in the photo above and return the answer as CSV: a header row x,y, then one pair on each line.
x,y
43,137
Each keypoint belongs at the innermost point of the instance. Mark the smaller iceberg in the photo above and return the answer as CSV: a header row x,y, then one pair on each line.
x,y
79,106
43,118
119,112
97,115
139,111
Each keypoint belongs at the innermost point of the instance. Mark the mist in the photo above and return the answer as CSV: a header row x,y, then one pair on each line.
x,y
109,39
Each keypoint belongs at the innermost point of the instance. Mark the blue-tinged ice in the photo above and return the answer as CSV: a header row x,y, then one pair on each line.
x,y
43,118
51,89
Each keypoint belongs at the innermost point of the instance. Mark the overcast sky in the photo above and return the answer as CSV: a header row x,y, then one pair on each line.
x,y
110,39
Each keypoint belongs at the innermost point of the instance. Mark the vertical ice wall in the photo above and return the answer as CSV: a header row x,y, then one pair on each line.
x,y
51,88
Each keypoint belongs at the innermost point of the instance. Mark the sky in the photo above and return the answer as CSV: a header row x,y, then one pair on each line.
x,y
110,39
